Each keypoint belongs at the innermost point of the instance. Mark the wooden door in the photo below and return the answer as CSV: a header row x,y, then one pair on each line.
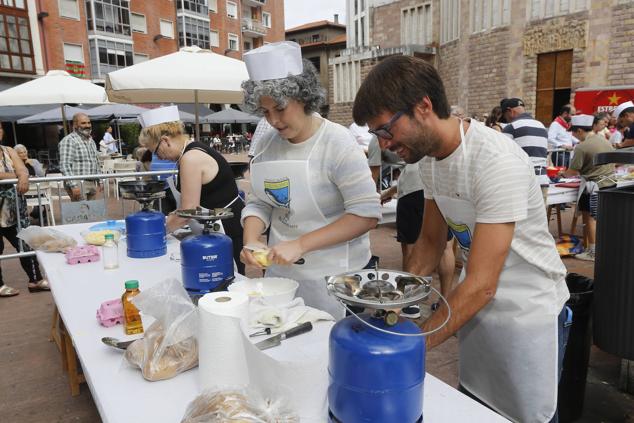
x,y
554,82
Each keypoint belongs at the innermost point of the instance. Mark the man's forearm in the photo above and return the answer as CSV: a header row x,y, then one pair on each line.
x,y
424,257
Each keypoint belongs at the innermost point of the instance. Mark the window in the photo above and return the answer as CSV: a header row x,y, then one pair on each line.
x,y
214,39
232,10
194,6
347,79
449,18
416,24
314,38
138,23
316,61
111,16
248,45
69,9
167,28
213,6
234,42
108,55
140,58
540,9
16,52
487,14
73,53
18,4
266,19
193,32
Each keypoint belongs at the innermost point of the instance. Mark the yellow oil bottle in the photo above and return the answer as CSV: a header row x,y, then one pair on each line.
x,y
132,318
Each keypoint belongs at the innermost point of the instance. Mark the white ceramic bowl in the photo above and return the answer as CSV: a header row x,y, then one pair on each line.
x,y
273,291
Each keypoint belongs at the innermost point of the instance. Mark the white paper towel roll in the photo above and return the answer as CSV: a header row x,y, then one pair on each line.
x,y
222,360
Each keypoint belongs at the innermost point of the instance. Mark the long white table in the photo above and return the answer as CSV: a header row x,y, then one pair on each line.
x,y
561,195
120,392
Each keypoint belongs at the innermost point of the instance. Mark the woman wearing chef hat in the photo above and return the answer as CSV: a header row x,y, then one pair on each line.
x,y
204,176
310,183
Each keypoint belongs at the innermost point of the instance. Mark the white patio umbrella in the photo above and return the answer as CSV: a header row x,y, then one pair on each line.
x,y
56,87
191,75
230,116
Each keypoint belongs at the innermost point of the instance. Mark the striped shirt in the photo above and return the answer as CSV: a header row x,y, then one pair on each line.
x,y
503,189
77,156
532,136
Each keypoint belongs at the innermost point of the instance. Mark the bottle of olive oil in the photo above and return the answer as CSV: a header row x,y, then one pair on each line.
x,y
132,318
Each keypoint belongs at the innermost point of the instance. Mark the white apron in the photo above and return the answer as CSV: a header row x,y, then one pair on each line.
x,y
285,185
508,350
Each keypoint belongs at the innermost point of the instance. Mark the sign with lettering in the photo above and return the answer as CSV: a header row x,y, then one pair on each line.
x,y
83,211
590,101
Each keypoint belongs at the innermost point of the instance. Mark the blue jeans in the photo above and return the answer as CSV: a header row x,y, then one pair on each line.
x,y
563,330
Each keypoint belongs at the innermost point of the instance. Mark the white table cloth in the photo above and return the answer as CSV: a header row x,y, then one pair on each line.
x,y
120,392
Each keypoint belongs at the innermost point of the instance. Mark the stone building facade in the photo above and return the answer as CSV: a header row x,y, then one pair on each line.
x,y
538,50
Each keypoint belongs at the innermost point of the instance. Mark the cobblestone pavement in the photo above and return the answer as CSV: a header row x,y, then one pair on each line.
x,y
34,389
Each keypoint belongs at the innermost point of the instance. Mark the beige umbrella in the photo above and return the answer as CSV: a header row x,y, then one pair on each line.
x,y
191,75
57,87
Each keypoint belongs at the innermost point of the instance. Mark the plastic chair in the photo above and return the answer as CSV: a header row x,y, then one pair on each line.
x,y
43,199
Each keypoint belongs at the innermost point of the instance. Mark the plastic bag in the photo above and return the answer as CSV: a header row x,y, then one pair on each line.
x,y
169,345
46,239
233,406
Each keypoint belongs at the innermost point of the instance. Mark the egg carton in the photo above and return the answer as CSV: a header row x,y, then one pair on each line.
x,y
110,313
82,254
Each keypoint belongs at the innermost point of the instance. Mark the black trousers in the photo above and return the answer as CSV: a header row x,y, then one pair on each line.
x,y
29,264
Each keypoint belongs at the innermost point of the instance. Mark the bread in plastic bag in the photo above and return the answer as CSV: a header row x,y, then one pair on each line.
x,y
46,239
236,407
169,345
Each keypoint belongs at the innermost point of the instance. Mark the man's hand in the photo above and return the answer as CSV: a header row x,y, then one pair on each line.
x,y
75,194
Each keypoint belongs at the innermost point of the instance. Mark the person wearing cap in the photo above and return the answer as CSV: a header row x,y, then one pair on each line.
x,y
78,156
624,112
560,137
531,135
310,182
204,177
509,309
593,177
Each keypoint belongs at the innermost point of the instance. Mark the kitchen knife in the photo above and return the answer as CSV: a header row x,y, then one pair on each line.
x,y
274,341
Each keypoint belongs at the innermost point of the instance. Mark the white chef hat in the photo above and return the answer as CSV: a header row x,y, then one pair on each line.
x,y
274,61
619,109
583,121
160,115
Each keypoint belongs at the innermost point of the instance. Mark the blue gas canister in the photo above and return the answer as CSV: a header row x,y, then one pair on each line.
x,y
146,234
206,262
375,376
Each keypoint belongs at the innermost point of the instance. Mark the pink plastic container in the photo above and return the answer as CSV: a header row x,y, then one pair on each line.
x,y
82,254
110,313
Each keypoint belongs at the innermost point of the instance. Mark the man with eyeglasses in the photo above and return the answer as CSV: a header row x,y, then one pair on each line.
x,y
509,309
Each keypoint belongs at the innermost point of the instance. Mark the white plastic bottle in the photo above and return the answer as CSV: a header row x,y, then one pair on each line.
x,y
110,253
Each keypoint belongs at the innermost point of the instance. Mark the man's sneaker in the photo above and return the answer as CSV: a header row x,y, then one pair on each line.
x,y
411,312
586,255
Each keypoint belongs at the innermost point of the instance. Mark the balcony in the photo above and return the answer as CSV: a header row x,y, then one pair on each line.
x,y
254,3
252,28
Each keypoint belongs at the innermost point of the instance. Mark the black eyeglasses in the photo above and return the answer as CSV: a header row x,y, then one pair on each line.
x,y
157,146
383,131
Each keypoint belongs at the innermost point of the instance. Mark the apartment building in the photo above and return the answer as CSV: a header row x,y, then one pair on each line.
x,y
89,38
539,50
320,42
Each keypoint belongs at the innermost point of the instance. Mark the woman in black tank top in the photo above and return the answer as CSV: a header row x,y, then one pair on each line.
x,y
170,142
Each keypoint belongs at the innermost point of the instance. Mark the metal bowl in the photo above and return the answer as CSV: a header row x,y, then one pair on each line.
x,y
202,214
379,288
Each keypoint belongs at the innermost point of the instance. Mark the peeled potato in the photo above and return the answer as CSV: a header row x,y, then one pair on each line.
x,y
261,256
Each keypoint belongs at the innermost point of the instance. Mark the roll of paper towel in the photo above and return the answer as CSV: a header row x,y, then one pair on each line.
x,y
222,358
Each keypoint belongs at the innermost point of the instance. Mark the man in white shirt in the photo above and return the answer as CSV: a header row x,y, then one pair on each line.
x,y
108,145
361,134
509,310
560,137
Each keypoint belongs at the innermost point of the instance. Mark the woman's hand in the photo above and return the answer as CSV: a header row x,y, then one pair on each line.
x,y
287,252
23,184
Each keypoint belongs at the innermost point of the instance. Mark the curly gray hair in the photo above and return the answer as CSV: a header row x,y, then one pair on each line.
x,y
304,88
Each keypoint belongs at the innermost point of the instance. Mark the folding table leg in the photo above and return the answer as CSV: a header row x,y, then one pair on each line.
x,y
70,362
54,335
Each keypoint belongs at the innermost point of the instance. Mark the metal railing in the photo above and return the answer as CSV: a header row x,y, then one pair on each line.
x,y
38,181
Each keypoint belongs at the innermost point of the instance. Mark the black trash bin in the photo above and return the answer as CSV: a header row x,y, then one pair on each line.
x,y
572,385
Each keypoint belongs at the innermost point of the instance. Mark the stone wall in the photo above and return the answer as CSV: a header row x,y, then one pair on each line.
x,y
621,56
487,70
